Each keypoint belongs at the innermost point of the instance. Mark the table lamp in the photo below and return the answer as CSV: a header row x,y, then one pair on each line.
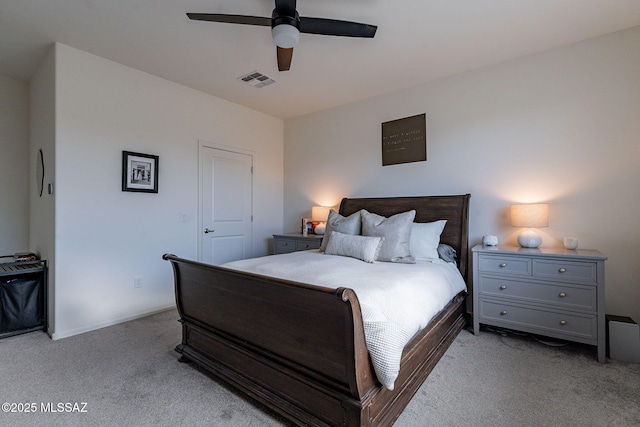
x,y
320,214
532,215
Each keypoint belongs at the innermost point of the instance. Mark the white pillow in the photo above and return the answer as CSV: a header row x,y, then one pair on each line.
x,y
396,231
359,247
337,222
425,238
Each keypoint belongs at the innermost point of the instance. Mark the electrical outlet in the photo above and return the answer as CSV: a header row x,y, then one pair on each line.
x,y
184,217
137,282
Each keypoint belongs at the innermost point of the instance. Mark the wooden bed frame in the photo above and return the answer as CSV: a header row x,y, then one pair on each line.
x,y
300,348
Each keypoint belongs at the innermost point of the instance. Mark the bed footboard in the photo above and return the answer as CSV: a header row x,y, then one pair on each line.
x,y
298,348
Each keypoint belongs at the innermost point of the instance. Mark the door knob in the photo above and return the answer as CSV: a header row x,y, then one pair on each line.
x,y
207,231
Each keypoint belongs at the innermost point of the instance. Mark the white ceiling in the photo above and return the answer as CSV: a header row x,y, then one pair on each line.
x,y
417,41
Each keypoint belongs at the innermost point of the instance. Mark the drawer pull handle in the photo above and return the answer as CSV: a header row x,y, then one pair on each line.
x,y
562,295
562,270
503,287
503,313
563,322
503,265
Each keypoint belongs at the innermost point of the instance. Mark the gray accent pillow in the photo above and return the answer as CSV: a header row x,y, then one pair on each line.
x,y
396,231
447,253
359,247
341,224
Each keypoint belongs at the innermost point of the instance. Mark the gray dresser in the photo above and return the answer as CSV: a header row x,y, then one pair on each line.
x,y
285,243
547,291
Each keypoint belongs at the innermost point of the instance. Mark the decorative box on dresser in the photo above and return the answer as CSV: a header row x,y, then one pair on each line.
x,y
285,243
546,291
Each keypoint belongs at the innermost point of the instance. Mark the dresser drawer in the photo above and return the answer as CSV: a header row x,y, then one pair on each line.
x,y
283,246
544,322
566,271
306,245
562,295
505,265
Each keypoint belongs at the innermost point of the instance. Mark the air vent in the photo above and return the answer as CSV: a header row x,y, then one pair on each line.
x,y
256,79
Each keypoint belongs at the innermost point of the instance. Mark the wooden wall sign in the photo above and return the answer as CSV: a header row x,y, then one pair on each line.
x,y
404,140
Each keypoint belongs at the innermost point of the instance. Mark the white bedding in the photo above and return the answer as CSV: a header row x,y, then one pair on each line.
x,y
397,300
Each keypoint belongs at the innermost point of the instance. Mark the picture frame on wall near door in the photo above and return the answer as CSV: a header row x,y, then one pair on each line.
x,y
139,172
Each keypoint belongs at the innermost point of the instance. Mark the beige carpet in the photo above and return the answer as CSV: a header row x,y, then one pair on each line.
x,y
128,375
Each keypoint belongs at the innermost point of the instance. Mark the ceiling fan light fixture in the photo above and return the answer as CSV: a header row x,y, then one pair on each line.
x,y
286,26
285,36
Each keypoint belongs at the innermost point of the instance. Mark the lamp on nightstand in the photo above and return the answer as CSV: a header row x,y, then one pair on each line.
x,y
532,215
320,214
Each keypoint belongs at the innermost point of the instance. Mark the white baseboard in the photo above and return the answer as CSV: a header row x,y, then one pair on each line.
x,y
66,334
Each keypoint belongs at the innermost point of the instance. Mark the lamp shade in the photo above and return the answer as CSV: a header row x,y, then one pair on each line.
x,y
530,215
320,213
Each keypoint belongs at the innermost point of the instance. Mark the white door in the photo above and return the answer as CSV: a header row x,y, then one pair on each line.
x,y
226,205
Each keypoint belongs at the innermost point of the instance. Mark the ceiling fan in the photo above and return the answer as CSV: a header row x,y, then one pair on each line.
x,y
286,26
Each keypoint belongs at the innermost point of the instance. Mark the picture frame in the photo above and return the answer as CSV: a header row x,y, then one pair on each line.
x,y
307,226
404,140
139,172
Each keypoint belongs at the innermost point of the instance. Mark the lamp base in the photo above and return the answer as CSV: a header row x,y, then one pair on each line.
x,y
529,239
320,228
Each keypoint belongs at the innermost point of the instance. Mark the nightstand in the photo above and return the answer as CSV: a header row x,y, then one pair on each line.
x,y
546,291
285,243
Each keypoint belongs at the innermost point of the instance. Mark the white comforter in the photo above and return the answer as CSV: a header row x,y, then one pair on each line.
x,y
397,300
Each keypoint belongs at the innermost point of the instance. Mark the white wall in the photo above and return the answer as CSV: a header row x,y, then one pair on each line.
x,y
560,127
14,166
105,237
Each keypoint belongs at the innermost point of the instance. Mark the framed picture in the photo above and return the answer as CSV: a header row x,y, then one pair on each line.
x,y
307,226
404,140
139,172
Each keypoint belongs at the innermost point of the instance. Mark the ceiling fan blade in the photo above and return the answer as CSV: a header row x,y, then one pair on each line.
x,y
286,7
231,19
284,58
333,27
